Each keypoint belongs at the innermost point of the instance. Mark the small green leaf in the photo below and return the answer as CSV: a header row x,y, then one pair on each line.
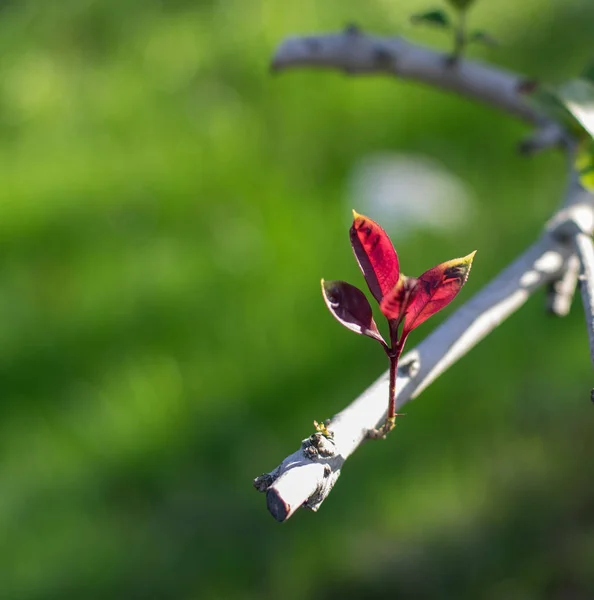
x,y
547,100
482,37
436,18
577,95
571,104
460,4
584,163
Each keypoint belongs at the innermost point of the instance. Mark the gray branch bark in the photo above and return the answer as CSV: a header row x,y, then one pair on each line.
x,y
560,292
585,251
354,52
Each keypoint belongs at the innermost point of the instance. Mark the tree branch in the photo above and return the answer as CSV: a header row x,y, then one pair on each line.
x,y
547,136
357,53
306,477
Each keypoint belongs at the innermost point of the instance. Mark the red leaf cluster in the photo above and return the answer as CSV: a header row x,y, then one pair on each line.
x,y
406,301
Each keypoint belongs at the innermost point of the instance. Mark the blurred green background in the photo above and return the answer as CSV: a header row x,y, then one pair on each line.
x,y
168,209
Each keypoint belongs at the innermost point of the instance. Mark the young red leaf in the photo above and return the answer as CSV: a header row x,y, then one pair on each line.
x,y
375,254
435,289
351,308
395,302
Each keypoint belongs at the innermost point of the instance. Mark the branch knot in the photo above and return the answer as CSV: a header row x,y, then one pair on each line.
x,y
317,445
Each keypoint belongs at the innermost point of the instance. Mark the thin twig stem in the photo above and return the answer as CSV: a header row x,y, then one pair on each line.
x,y
392,389
397,352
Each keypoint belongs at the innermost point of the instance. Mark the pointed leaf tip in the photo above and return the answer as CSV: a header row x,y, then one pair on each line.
x,y
350,308
375,254
436,17
436,288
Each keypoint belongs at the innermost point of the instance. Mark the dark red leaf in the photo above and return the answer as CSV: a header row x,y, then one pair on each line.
x,y
350,307
436,288
375,254
395,302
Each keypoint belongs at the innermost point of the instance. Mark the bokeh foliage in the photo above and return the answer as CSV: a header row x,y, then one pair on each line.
x,y
168,208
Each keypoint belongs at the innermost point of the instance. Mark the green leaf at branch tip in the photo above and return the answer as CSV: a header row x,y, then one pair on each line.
x,y
548,100
460,4
436,18
584,163
577,95
350,308
482,37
